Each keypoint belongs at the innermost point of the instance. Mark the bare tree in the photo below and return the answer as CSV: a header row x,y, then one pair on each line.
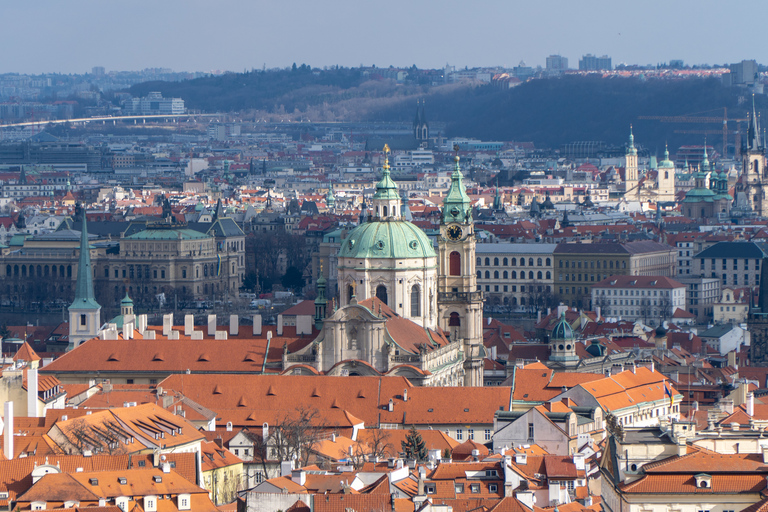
x,y
294,438
108,437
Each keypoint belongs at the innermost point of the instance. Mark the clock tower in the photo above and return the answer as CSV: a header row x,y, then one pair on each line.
x,y
459,302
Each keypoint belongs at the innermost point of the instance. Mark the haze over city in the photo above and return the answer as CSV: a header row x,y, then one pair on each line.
x,y
72,37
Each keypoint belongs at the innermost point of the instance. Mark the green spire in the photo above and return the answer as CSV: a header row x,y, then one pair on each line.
x,y
84,296
705,162
631,147
666,163
330,199
457,205
386,188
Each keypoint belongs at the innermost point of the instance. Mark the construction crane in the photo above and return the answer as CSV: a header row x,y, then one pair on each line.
x,y
696,118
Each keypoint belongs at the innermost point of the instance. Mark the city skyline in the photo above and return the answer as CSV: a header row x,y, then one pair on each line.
x,y
237,36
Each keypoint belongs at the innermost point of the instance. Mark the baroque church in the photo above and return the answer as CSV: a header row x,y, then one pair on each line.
x,y
404,308
649,188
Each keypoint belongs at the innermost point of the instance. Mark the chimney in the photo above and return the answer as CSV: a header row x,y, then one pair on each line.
x,y
598,311
211,325
8,431
166,467
405,395
167,324
141,323
279,325
234,325
32,393
696,405
189,324
299,476
750,404
257,325
391,405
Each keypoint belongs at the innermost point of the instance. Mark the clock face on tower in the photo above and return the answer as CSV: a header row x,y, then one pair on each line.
x,y
454,233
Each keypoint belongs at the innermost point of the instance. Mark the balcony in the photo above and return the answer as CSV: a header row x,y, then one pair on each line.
x,y
460,296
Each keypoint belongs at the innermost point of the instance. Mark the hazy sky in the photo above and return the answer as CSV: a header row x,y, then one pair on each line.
x,y
193,35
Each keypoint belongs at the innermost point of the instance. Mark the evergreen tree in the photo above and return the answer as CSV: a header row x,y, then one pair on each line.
x,y
414,446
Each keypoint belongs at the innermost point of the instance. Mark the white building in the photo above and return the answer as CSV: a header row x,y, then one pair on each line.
x,y
154,104
646,298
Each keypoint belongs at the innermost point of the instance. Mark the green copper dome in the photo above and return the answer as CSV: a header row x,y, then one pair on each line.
x,y
666,163
562,330
387,239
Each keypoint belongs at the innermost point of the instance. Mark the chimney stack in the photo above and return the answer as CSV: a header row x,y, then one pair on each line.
x,y
32,389
750,404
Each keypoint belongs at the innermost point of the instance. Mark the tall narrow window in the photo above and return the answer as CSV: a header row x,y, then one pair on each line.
x,y
381,293
455,264
454,320
415,301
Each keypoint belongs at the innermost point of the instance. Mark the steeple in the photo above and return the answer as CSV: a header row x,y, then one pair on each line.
x,y
386,200
705,161
457,205
631,150
330,199
84,296
753,132
497,204
84,312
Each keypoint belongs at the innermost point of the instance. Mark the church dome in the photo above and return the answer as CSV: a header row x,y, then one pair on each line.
x,y
387,239
562,330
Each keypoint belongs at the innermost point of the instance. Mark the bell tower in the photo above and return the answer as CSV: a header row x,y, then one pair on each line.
x,y
754,175
631,184
460,303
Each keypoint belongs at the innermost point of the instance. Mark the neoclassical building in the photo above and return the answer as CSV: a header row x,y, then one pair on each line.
x,y
405,309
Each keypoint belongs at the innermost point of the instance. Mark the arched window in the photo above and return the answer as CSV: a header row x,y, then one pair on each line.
x,y
538,275
505,275
454,320
522,262
47,271
514,274
549,262
381,293
487,274
495,262
23,271
479,274
522,301
385,211
8,270
549,274
538,262
530,274
506,262
530,262
415,301
455,264
666,175
514,301
39,271
487,262
479,262
350,293
495,274
16,271
514,262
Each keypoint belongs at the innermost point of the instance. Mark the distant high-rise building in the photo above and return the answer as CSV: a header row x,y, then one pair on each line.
x,y
557,63
590,62
744,72
98,71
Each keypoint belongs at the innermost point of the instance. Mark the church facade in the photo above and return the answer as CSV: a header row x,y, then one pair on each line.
x,y
404,308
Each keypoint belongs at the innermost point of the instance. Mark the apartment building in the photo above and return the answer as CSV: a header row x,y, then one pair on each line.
x,y
515,274
649,299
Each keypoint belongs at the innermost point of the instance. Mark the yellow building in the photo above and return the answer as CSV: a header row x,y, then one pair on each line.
x,y
222,473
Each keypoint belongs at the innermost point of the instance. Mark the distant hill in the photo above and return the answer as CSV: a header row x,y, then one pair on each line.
x,y
548,112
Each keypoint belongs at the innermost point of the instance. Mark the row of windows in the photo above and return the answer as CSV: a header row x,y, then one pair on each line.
x,y
38,270
513,262
638,293
593,264
514,290
471,434
724,264
513,275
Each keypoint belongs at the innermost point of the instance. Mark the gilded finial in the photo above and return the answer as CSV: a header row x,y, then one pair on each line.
x,y
386,157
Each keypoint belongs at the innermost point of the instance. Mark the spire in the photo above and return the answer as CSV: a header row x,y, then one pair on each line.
x,y
631,146
705,161
457,205
386,200
330,199
753,132
84,296
497,204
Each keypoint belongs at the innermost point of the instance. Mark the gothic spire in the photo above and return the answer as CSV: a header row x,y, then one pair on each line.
x,y
631,150
753,132
84,296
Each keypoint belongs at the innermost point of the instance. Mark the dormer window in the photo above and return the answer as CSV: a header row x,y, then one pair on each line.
x,y
703,481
